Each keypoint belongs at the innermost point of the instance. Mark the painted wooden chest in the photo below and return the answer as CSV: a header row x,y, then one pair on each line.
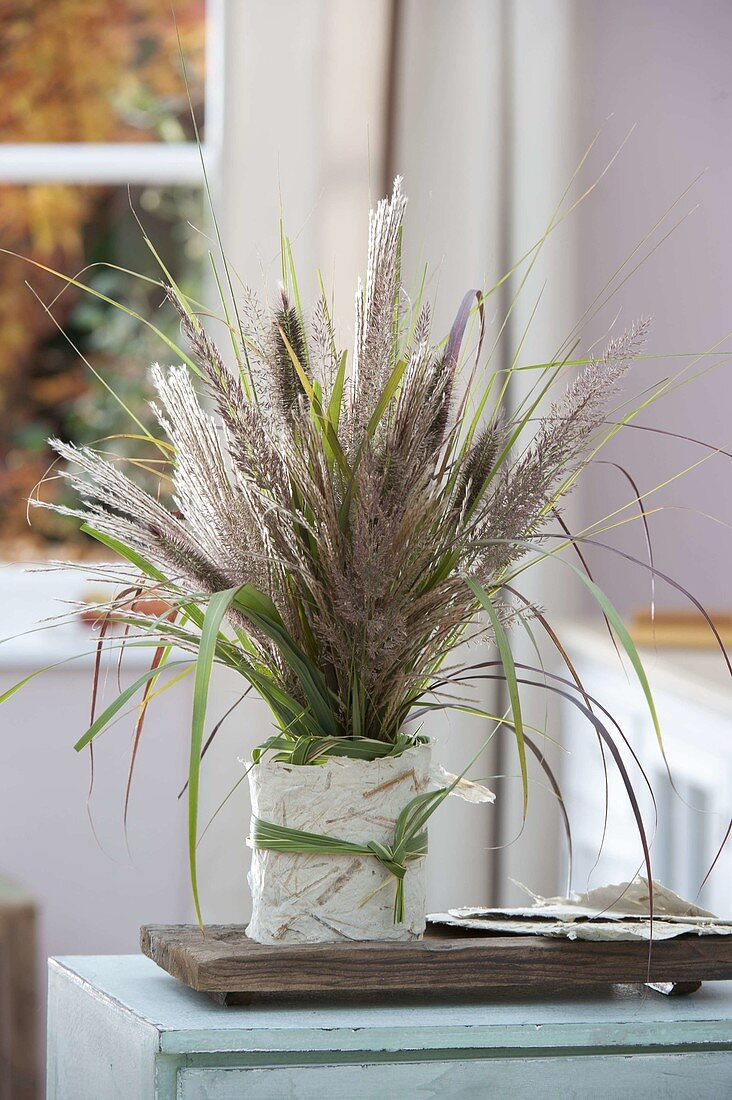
x,y
119,1027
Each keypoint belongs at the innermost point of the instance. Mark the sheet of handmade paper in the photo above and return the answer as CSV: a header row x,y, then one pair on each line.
x,y
613,912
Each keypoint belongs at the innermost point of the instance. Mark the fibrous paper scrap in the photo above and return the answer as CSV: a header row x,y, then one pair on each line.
x,y
466,789
614,912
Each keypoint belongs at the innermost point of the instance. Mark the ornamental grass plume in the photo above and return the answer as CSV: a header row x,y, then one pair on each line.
x,y
349,509
332,534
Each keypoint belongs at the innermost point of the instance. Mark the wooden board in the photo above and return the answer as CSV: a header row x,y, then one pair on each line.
x,y
232,968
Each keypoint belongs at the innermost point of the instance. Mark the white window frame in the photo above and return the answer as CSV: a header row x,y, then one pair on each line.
x,y
122,163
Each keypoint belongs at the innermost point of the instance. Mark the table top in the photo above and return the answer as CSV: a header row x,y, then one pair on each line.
x,y
187,1021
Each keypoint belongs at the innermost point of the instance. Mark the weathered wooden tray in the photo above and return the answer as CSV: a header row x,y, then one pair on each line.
x,y
234,970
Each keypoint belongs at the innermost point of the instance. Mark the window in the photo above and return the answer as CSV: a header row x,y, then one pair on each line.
x,y
94,103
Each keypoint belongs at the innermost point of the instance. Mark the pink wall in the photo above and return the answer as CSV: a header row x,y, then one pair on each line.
x,y
665,66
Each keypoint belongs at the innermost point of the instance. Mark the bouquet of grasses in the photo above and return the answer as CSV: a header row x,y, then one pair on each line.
x,y
331,530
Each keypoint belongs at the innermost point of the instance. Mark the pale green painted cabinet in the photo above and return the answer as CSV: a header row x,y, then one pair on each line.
x,y
120,1028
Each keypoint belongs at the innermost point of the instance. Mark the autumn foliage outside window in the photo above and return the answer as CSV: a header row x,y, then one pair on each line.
x,y
84,71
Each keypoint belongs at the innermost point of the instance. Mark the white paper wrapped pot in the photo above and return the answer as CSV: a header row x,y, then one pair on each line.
x,y
300,897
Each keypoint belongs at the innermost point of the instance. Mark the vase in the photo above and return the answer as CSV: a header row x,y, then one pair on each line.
x,y
322,897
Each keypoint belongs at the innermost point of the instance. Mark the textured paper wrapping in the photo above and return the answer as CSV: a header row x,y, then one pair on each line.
x,y
308,897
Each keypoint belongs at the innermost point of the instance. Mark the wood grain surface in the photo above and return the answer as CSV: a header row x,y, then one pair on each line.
x,y
223,962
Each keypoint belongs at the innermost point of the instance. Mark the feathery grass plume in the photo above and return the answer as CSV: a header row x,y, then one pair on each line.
x,y
438,400
288,341
377,306
218,516
364,571
526,488
346,534
569,422
478,466
324,355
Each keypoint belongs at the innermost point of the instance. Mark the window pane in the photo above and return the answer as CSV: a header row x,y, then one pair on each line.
x,y
45,388
85,70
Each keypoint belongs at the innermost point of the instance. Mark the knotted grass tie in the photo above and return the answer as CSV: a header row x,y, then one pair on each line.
x,y
410,842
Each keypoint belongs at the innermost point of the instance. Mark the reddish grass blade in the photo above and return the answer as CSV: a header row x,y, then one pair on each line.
x,y
664,576
455,340
560,680
672,435
541,617
552,635
157,658
646,528
716,858
574,540
545,767
629,790
214,731
105,622
614,751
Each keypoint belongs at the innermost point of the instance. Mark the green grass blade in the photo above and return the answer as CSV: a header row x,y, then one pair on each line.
x,y
182,298
335,403
386,395
110,302
123,551
244,374
615,620
218,605
629,646
107,715
93,371
295,287
206,183
20,684
509,668
324,424
253,604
